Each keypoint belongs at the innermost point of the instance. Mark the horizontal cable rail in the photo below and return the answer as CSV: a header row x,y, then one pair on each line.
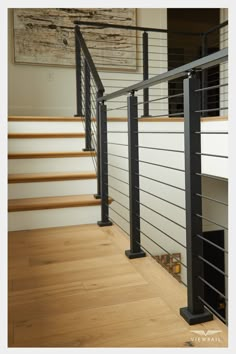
x,y
164,216
203,63
164,200
163,232
160,247
164,166
212,199
211,221
213,266
208,306
212,243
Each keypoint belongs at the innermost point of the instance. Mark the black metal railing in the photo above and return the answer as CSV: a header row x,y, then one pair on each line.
x,y
151,223
213,40
156,177
88,89
134,53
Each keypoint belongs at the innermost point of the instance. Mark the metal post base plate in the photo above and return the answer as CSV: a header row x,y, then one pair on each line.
x,y
195,319
104,223
97,196
88,149
132,255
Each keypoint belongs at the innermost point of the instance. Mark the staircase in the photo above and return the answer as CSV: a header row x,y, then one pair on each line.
x,y
51,180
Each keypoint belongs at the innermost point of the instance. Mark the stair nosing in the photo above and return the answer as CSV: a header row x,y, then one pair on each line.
x,y
110,119
45,119
59,202
45,135
49,177
35,155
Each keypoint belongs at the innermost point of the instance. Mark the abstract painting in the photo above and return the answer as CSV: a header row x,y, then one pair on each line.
x,y
46,36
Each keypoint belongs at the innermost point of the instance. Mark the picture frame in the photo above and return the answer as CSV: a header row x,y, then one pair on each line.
x,y
165,258
175,258
46,37
176,268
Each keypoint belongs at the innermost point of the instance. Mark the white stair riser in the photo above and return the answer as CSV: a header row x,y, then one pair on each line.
x,y
45,127
51,189
67,164
38,219
57,127
45,145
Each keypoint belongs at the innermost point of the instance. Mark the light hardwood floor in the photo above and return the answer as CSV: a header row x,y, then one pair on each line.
x,y
74,287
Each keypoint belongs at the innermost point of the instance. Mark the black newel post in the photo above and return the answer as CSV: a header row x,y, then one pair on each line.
x,y
204,74
103,166
145,75
79,112
195,312
134,206
98,195
87,92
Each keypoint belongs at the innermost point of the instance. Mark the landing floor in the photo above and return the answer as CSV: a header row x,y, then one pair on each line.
x,y
74,287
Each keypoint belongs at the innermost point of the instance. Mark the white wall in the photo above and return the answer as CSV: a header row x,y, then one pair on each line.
x,y
45,90
38,90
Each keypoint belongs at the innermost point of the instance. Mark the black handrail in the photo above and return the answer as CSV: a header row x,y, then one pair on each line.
x,y
87,72
223,24
133,28
181,71
89,60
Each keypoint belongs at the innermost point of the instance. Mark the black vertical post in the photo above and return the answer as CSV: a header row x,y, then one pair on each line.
x,y
98,195
145,75
134,205
103,166
195,312
87,92
78,74
204,74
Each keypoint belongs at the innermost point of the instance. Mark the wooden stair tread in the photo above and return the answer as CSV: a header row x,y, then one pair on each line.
x,y
25,204
44,135
32,155
110,119
49,176
44,119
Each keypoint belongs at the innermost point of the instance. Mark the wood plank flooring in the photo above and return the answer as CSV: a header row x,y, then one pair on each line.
x,y
74,287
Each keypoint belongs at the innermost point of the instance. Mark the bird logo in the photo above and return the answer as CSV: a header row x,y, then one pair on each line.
x,y
209,332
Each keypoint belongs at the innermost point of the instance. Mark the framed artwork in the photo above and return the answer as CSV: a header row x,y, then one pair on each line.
x,y
171,262
46,37
175,258
176,268
165,258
